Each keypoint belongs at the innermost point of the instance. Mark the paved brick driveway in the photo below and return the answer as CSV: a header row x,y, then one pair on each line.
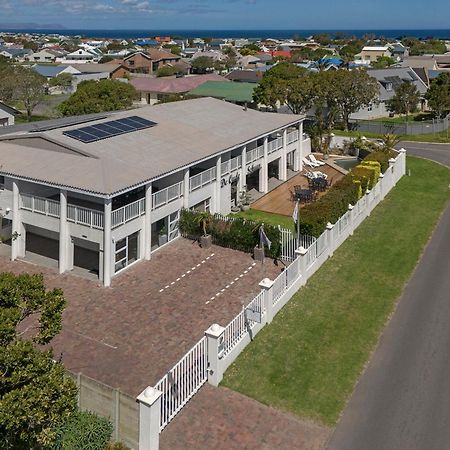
x,y
130,334
221,419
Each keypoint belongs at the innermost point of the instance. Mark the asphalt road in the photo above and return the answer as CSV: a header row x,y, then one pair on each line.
x,y
402,401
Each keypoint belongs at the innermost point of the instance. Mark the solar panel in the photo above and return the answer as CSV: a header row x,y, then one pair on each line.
x,y
96,132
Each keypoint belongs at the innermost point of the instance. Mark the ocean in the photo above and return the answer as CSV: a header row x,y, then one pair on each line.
x,y
234,34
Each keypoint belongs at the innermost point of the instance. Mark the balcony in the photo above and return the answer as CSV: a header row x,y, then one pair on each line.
x,y
231,165
167,195
274,145
49,207
292,137
255,154
202,179
128,212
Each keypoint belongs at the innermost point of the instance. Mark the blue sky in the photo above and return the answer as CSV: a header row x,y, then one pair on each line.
x,y
228,14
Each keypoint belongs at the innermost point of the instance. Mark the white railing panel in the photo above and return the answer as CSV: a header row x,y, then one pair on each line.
x,y
183,381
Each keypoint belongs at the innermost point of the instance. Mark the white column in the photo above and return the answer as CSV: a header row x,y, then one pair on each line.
x,y
217,186
350,215
382,189
107,253
264,172
266,284
402,152
148,221
215,338
283,160
330,241
149,418
243,177
18,230
392,170
186,175
298,160
301,253
63,232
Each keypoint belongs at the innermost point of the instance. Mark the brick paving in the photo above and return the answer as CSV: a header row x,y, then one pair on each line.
x,y
221,419
130,334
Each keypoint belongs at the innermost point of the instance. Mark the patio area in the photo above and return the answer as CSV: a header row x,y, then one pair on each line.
x,y
280,201
128,336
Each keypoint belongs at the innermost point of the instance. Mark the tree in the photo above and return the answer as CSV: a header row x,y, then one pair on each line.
x,y
438,94
286,84
353,90
35,395
249,49
405,100
166,71
382,62
98,96
29,87
63,80
202,64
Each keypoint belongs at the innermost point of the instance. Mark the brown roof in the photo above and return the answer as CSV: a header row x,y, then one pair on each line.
x,y
252,76
155,54
173,85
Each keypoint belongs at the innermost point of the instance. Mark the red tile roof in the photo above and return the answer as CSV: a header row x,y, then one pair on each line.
x,y
173,85
275,53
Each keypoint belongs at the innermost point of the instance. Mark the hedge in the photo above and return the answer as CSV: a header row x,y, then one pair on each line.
x,y
348,190
83,430
237,233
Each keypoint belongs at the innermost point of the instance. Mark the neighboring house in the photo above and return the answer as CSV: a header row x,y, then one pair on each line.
x,y
100,193
248,76
239,93
248,62
46,55
7,115
373,53
428,62
113,71
389,80
275,54
53,71
398,51
19,54
148,62
154,90
215,55
80,56
188,52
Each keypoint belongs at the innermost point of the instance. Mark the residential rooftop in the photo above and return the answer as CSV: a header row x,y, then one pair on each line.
x,y
186,132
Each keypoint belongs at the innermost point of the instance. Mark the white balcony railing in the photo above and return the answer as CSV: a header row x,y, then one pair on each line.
x,y
40,205
202,179
128,212
292,137
167,195
85,216
274,145
254,154
231,165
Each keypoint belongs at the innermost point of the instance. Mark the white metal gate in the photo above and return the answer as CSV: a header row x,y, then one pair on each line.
x,y
183,381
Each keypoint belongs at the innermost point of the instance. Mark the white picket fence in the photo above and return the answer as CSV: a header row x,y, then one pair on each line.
x,y
219,352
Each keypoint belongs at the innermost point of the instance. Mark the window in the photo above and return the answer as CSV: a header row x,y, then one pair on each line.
x,y
2,181
389,86
370,107
202,206
126,251
130,62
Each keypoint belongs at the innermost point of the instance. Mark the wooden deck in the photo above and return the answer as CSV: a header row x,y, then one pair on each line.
x,y
279,201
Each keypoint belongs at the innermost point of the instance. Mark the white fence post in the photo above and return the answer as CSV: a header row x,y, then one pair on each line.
x,y
330,239
266,285
382,188
392,170
350,219
149,418
368,203
215,343
402,170
301,253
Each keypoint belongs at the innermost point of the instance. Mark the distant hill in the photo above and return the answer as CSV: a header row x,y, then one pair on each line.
x,y
30,26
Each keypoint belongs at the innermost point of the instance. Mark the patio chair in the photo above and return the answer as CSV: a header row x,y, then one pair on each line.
x,y
315,161
309,163
319,174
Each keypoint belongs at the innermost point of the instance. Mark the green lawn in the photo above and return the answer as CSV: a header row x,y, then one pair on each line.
x,y
309,359
443,137
272,219
412,118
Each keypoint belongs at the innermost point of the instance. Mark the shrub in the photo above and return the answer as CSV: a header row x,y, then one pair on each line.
x,y
116,446
83,431
239,233
382,156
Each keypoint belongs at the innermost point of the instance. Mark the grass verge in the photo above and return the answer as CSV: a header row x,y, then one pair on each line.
x,y
441,138
309,359
269,218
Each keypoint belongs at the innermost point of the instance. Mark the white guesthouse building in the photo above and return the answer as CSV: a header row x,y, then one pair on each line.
x,y
100,194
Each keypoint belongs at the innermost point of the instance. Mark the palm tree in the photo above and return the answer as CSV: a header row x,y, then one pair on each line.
x,y
204,219
389,141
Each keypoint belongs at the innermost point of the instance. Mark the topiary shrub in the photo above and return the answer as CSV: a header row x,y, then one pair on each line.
x,y
381,156
375,166
83,430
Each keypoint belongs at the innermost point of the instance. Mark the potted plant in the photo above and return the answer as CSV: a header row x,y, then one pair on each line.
x,y
245,199
162,236
204,219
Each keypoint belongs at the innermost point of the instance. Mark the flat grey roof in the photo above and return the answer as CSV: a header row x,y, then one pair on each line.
x,y
186,132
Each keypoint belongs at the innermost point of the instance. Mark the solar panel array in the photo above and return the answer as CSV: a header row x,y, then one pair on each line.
x,y
93,133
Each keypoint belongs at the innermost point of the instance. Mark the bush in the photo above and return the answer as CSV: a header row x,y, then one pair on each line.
x,y
84,431
239,234
116,446
381,156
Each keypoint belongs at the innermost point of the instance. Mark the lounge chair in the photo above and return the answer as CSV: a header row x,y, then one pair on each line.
x,y
310,163
315,161
319,174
